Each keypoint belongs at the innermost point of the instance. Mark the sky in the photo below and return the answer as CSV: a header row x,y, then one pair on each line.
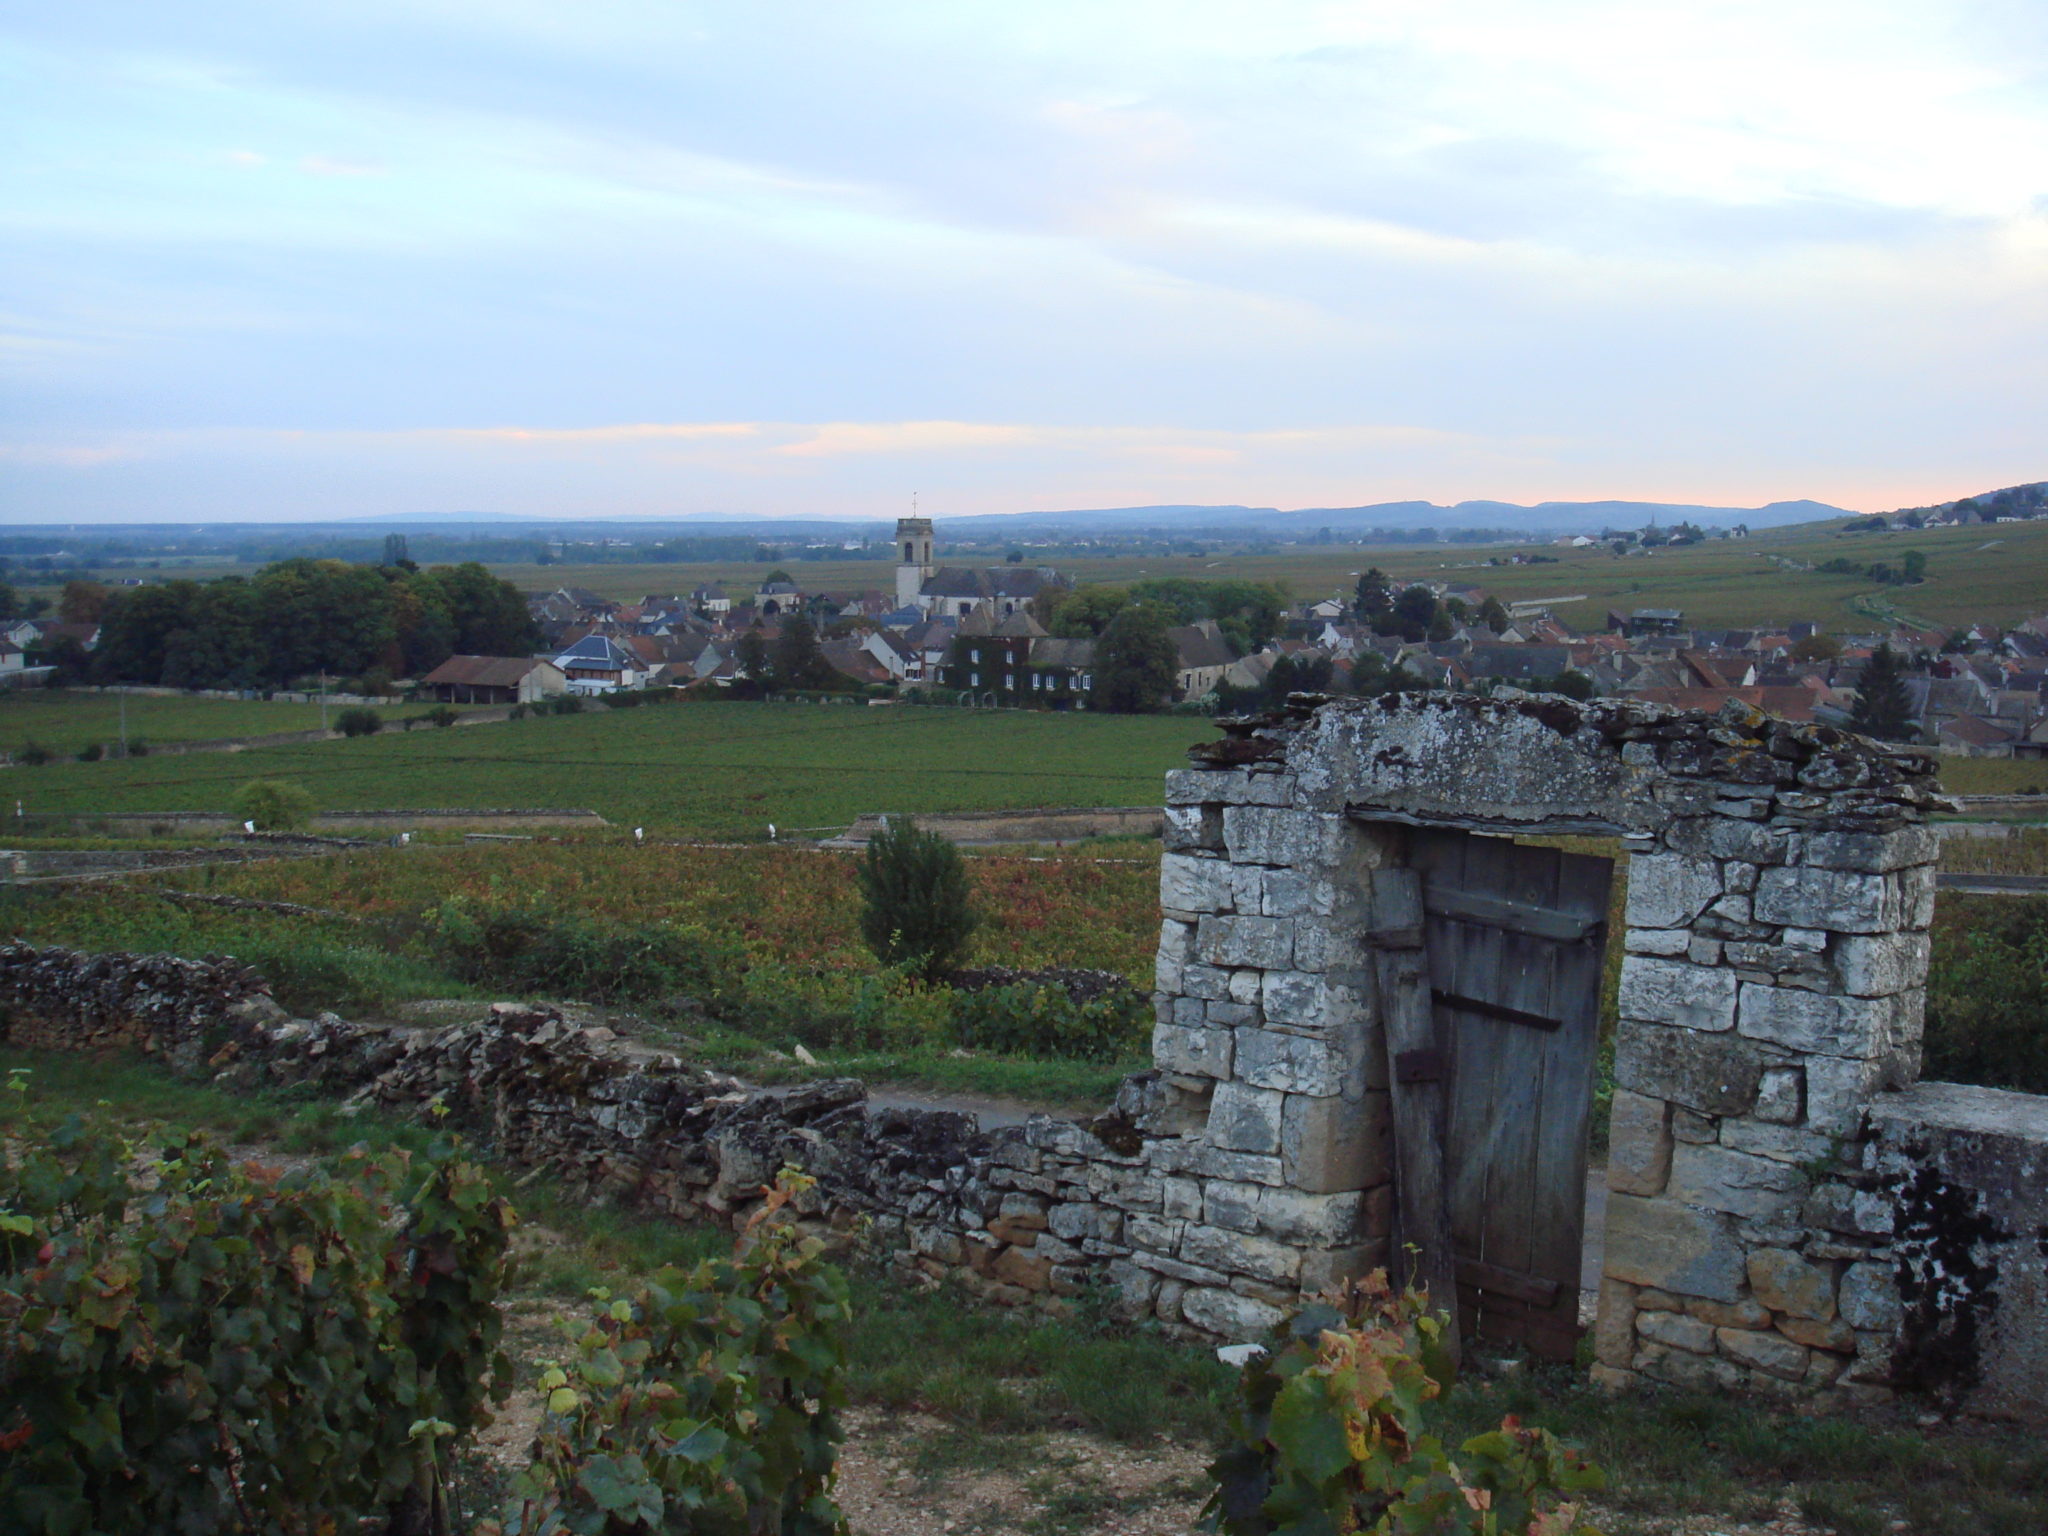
x,y
320,258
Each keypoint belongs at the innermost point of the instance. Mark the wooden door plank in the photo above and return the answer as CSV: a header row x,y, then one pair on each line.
x,y
1523,981
1417,1102
1566,1108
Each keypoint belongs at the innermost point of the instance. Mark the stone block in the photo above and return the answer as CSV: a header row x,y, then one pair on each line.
x,y
1076,1220
1273,892
1639,1144
1022,1267
1228,1315
1329,1144
1877,965
1203,1052
1838,1092
1223,1015
1188,1013
1658,941
1808,897
1872,852
1614,1327
1781,1096
1814,1024
1326,1269
1726,837
1245,1119
1771,1353
1659,991
1264,942
1191,883
1331,1220
1669,890
1675,1330
1157,1234
1239,1253
1670,1246
1713,1074
1245,987
1689,1125
1785,1282
1181,1198
1306,1064
1680,1368
1297,839
1228,787
1193,829
1293,997
1783,1143
1746,1313
1869,1300
1837,1337
1735,1182
1207,982
1134,1287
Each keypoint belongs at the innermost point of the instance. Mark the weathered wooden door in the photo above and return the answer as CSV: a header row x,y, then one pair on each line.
x,y
1514,938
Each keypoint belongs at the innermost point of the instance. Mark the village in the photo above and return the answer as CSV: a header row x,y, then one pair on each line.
x,y
985,637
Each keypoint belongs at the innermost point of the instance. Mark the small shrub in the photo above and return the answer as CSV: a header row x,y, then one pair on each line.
x,y
91,752
538,946
707,1402
915,906
1330,1434
138,747
563,704
1045,1021
33,754
358,722
442,716
516,712
275,805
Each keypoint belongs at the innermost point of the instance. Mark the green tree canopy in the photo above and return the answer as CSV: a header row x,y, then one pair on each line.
x,y
1883,709
1135,662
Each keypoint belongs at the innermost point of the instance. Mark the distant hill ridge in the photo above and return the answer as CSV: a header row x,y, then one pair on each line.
x,y
1543,517
2029,500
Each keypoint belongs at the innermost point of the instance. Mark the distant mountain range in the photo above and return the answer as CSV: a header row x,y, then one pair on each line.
x,y
1544,517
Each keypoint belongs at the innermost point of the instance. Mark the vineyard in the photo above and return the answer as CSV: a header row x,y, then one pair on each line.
x,y
722,770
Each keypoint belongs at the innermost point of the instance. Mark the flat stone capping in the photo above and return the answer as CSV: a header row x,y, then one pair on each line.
x,y
1969,1109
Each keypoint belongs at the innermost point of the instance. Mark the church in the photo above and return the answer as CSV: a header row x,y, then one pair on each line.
x,y
953,591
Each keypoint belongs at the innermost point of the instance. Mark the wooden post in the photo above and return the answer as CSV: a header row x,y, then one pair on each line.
x,y
1416,1071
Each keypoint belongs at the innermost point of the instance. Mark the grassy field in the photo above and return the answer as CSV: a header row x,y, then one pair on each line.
x,y
707,770
1999,574
65,720
1004,1424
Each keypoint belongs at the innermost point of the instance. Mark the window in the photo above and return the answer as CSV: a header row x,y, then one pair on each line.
x,y
974,679
1009,680
974,655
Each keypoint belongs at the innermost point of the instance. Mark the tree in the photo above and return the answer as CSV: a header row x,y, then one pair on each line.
x,y
398,553
1372,675
798,662
1816,647
1086,612
750,656
1493,615
275,805
1883,707
1375,595
82,602
1414,611
916,908
8,601
359,722
1914,567
1135,662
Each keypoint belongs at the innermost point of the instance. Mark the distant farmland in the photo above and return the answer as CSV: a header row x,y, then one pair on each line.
x,y
1997,573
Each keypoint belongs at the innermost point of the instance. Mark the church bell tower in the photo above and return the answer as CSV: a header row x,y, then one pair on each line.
x,y
914,558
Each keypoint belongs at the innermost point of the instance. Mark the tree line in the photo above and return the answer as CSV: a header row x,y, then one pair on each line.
x,y
302,618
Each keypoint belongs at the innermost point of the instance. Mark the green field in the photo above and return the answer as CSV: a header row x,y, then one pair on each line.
x,y
66,721
706,770
1997,573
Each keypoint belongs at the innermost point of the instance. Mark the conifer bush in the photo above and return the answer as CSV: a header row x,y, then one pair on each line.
x,y
915,907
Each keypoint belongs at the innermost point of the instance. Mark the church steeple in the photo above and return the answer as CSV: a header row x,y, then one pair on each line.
x,y
914,558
